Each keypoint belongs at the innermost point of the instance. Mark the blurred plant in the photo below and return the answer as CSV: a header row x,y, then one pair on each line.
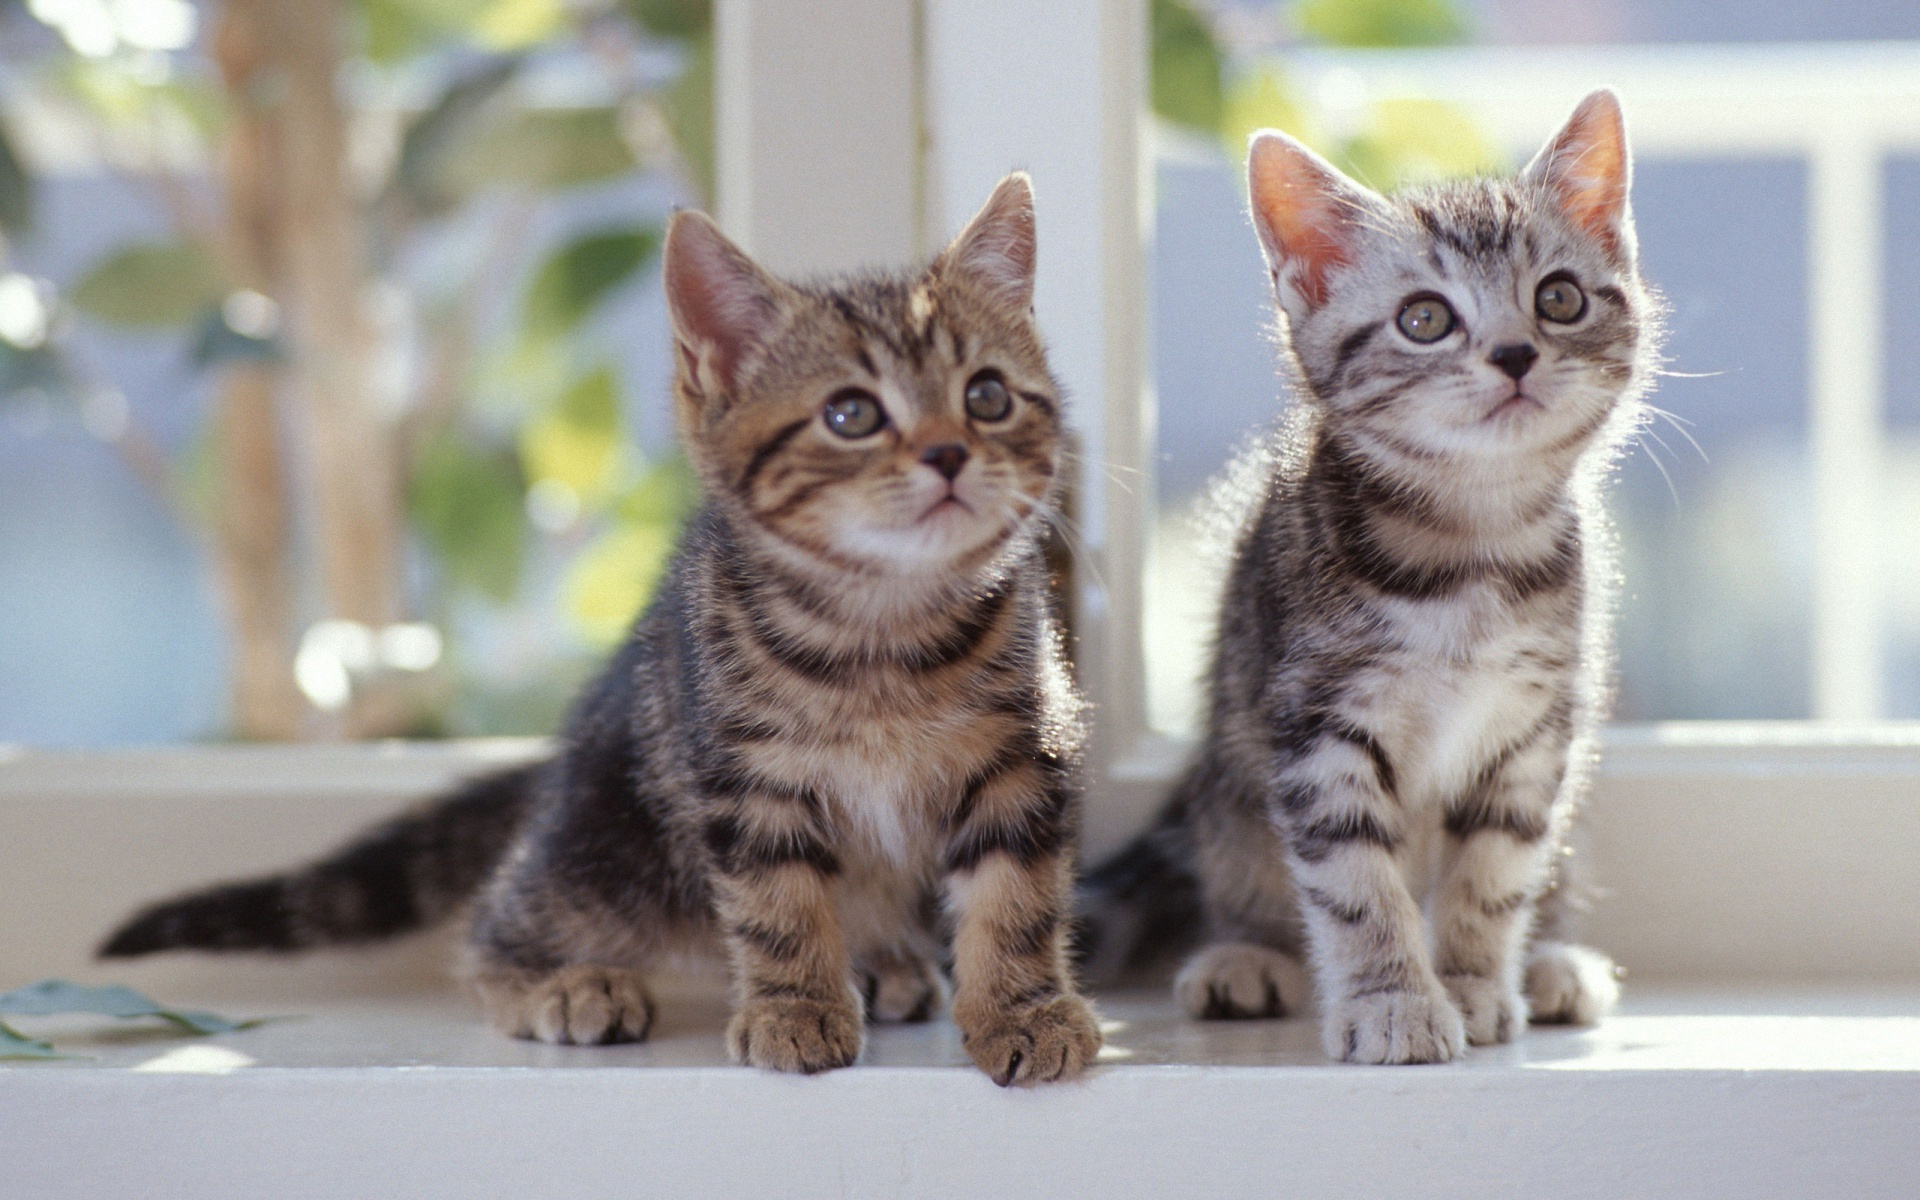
x,y
1201,85
306,156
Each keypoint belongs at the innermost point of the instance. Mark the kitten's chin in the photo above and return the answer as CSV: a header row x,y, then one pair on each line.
x,y
948,535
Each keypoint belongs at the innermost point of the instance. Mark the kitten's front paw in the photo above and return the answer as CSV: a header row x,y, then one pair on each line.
x,y
1239,980
904,988
1054,1039
1491,1012
788,1033
1571,985
580,1005
1396,1027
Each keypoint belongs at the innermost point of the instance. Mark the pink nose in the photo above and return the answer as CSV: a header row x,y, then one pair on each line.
x,y
947,459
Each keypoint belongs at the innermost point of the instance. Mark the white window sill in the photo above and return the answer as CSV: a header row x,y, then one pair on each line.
x,y
1690,1092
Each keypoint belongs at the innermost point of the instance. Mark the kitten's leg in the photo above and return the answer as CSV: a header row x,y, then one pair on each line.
x,y
535,982
899,985
586,1004
795,1007
1569,984
1252,966
1382,1002
1234,980
1499,839
1008,884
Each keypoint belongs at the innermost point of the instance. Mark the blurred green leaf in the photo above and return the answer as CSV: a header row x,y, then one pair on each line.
x,y
1413,140
16,188
541,148
580,274
150,284
17,1045
581,441
453,120
53,996
469,504
1186,67
666,495
518,24
687,105
397,29
614,578
1382,22
1262,99
673,18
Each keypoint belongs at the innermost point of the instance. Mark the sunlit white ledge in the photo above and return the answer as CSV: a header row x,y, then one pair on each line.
x,y
1731,851
1687,1093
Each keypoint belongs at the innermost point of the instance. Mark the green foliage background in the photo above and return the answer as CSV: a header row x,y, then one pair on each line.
x,y
525,489
1201,87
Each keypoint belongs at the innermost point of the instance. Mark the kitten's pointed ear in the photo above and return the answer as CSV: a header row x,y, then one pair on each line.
x,y
998,247
1589,171
723,305
1307,213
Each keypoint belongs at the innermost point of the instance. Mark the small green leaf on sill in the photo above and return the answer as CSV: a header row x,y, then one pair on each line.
x,y
52,996
15,1045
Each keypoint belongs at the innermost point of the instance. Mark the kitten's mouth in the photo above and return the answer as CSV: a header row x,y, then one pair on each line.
x,y
944,504
1518,402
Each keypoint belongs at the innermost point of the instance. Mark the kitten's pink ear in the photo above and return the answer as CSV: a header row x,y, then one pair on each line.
x,y
1307,213
998,247
723,305
1589,171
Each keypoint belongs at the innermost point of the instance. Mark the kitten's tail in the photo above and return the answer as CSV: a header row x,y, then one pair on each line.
x,y
1141,907
398,877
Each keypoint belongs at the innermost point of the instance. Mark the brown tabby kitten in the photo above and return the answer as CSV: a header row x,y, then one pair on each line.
x,y
1413,646
846,709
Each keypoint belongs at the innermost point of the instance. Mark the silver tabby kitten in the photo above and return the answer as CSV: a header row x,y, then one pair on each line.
x,y
1412,648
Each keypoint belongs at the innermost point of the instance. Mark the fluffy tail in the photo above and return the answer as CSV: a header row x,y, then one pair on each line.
x,y
401,876
1141,907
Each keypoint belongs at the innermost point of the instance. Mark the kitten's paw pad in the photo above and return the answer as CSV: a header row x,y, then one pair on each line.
x,y
1396,1027
580,1005
1241,980
795,1034
901,989
1491,1012
1052,1040
1571,985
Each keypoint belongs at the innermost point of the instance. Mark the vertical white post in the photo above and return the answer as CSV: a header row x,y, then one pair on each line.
x,y
1060,90
818,121
1844,244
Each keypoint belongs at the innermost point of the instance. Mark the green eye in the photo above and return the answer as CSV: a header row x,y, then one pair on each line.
x,y
988,398
1426,318
854,414
1560,299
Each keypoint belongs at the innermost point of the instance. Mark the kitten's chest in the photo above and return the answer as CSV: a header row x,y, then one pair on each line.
x,y
891,768
1464,680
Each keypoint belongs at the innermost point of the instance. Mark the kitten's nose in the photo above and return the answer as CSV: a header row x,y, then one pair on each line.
x,y
1515,359
947,459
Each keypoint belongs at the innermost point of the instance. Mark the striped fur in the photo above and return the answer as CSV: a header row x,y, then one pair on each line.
x,y
842,743
1412,649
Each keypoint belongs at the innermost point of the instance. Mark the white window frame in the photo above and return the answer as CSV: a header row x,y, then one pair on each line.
x,y
1778,850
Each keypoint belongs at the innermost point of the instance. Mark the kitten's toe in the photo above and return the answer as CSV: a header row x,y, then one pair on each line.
x,y
1239,980
1396,1027
580,1005
1491,1011
1571,985
903,988
1054,1039
798,1034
